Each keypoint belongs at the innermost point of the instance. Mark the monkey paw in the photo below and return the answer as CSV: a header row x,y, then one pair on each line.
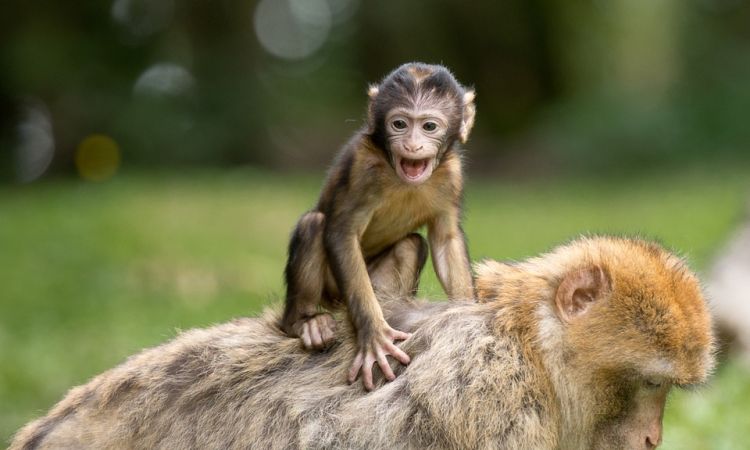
x,y
317,332
376,350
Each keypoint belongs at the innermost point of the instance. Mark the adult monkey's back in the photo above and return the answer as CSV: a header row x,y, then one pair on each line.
x,y
575,349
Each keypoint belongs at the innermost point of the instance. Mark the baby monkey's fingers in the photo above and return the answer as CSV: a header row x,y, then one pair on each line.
x,y
354,368
391,349
317,332
367,371
400,355
363,363
385,367
316,340
396,335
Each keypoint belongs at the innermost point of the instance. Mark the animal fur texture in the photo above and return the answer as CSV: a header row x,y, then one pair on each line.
x,y
502,373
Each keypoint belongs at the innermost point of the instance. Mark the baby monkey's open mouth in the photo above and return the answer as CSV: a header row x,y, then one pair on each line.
x,y
414,170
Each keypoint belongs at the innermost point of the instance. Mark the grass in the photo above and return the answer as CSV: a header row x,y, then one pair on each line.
x,y
91,273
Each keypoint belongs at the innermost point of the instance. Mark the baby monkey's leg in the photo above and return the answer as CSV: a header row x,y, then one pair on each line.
x,y
306,273
395,272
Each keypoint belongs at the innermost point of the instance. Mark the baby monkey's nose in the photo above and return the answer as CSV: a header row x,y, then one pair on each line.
x,y
412,147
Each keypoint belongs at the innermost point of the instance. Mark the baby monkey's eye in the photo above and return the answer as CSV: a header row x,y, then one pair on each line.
x,y
429,126
653,384
399,124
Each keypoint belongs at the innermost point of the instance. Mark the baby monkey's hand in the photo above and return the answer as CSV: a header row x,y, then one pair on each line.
x,y
317,332
377,345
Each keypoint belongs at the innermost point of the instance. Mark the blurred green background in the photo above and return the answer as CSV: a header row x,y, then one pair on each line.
x,y
155,154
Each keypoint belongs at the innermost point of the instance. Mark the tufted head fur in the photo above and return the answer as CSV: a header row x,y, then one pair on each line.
x,y
615,317
421,87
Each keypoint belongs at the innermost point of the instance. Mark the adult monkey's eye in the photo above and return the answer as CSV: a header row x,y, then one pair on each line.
x,y
399,124
429,126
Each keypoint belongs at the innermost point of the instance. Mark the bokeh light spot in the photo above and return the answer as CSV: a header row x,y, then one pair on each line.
x,y
36,146
97,157
164,79
292,29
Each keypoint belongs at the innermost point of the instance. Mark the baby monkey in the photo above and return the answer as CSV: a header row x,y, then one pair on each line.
x,y
400,172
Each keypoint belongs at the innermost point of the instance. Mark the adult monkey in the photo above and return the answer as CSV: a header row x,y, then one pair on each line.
x,y
399,173
576,349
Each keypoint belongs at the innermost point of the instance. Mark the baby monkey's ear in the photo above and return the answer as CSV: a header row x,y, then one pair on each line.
x,y
467,119
372,91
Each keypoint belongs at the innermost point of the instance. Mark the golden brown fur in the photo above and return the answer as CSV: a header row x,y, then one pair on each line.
x,y
505,373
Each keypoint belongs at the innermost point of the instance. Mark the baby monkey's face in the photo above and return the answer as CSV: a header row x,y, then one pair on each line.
x,y
416,115
415,137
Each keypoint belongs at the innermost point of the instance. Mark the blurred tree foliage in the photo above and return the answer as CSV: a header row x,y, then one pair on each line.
x,y
607,84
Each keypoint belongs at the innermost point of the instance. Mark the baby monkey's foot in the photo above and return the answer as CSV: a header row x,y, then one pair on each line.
x,y
374,350
317,332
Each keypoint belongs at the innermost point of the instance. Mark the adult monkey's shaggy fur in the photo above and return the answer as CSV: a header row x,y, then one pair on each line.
x,y
574,349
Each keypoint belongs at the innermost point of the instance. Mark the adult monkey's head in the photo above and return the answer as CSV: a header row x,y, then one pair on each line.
x,y
416,114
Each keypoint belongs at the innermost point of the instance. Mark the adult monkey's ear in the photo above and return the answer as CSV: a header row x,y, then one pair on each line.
x,y
467,118
579,290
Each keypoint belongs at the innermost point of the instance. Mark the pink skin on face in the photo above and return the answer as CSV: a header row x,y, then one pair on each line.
x,y
415,137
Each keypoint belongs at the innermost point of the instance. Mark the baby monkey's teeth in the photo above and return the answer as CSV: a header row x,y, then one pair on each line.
x,y
413,168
